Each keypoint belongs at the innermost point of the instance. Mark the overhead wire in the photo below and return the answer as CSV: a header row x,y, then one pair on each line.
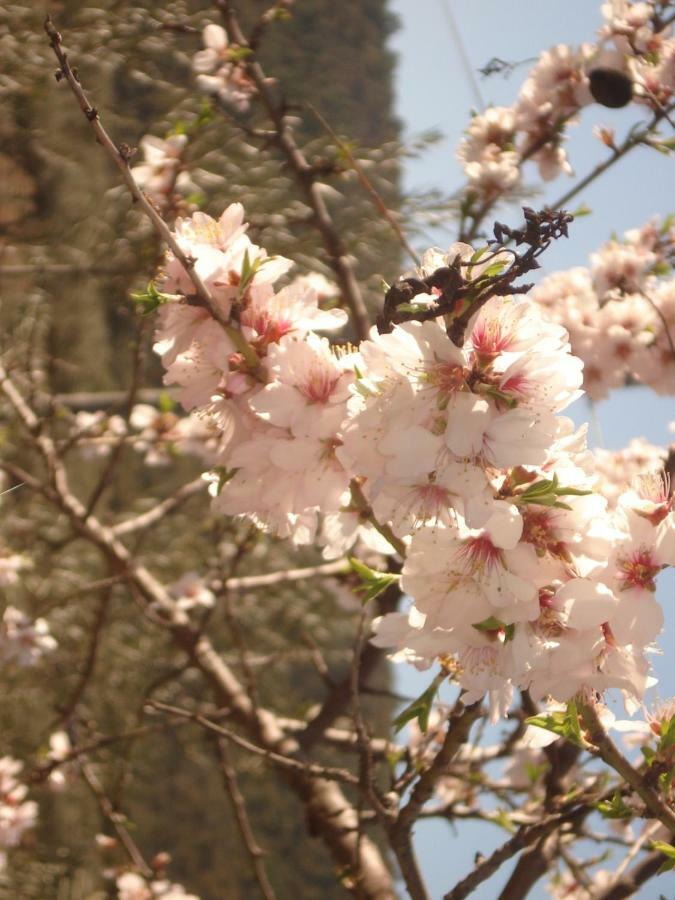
x,y
456,34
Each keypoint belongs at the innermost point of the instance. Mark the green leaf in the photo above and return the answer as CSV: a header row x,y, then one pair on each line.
x,y
475,258
667,739
666,781
667,224
166,404
250,269
373,583
224,475
489,624
509,400
537,488
495,268
412,308
236,54
149,300
206,114
665,147
546,493
420,708
582,211
394,757
571,492
649,753
565,724
668,851
661,268
196,198
501,817
534,772
615,808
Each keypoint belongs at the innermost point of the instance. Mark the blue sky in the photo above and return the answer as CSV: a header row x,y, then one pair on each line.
x,y
437,85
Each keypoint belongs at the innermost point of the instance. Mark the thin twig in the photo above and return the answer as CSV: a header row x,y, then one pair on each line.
x,y
331,773
524,837
633,139
367,185
400,832
69,708
116,819
648,832
607,750
631,882
43,771
247,582
121,156
162,509
119,444
239,807
330,814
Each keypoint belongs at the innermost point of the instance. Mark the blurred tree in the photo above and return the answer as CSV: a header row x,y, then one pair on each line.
x,y
71,250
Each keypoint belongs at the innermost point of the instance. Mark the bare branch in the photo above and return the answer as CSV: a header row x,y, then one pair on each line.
x,y
121,156
631,882
365,182
316,771
239,806
247,582
116,819
162,509
400,832
607,750
305,177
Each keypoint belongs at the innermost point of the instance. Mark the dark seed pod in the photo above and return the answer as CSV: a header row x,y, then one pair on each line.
x,y
610,87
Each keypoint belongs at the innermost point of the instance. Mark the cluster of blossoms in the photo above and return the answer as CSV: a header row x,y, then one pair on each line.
x,y
501,139
220,70
158,434
620,312
520,576
162,173
635,56
279,420
131,886
614,469
95,433
644,46
17,814
23,641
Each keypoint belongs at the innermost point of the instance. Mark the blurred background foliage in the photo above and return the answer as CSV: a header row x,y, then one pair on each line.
x,y
72,248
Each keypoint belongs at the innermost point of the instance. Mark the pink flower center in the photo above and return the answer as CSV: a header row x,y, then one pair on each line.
x,y
270,329
539,531
638,570
446,377
517,384
654,486
480,553
432,501
489,337
319,385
